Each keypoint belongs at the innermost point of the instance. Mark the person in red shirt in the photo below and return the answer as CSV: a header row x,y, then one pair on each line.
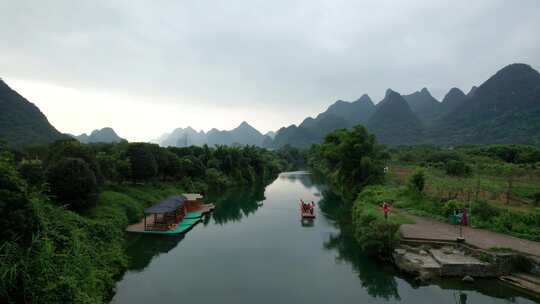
x,y
464,219
304,205
386,207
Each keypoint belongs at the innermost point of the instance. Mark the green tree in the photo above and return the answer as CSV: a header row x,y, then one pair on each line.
x,y
74,149
351,159
72,182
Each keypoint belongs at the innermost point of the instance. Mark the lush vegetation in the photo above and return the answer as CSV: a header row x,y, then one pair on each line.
x,y
65,206
498,183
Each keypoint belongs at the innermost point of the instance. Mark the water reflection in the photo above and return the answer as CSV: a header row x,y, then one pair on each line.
x,y
307,179
235,204
307,222
142,248
378,281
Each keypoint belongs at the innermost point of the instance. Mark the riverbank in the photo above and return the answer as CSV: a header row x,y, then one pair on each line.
x,y
427,249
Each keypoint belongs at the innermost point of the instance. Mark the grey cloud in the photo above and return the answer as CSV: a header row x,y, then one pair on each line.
x,y
269,52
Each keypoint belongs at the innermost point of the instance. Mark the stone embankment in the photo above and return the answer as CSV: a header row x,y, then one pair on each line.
x,y
447,261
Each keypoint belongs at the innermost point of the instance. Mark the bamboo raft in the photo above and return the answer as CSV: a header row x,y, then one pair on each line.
x,y
306,213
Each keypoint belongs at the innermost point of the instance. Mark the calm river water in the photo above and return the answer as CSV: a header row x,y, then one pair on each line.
x,y
255,249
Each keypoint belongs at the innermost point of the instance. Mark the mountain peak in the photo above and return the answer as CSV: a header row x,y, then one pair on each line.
x,y
452,100
517,68
391,95
244,124
516,74
472,90
423,104
452,95
394,122
388,91
364,98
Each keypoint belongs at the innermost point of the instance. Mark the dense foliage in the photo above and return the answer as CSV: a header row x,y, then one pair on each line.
x,y
499,183
63,244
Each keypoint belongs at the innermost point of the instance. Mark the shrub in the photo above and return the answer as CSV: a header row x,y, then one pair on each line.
x,y
457,168
417,181
375,236
536,198
450,206
72,182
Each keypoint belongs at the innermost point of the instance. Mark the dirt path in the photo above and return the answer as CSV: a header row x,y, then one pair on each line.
x,y
426,228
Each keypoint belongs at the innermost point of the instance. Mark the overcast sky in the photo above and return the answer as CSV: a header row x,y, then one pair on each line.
x,y
147,67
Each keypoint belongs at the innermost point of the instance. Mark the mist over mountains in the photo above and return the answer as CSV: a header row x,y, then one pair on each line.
x,y
244,134
503,109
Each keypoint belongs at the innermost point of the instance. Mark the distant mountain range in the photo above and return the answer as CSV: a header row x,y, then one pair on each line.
x,y
21,122
244,134
105,135
503,109
342,114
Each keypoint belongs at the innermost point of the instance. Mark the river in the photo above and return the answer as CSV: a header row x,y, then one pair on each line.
x,y
255,249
